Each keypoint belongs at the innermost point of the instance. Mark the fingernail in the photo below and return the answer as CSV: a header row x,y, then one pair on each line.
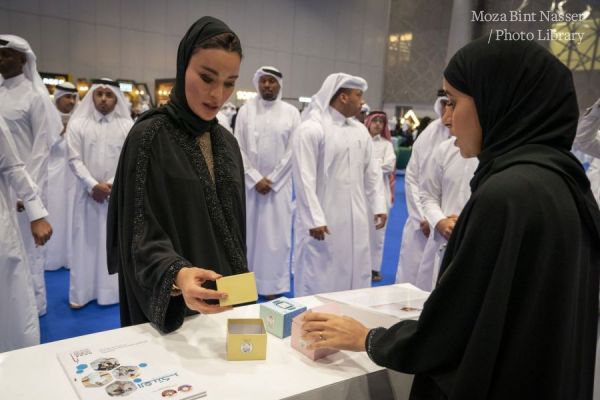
x,y
224,296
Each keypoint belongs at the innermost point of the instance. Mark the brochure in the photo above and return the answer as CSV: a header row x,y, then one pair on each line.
x,y
140,370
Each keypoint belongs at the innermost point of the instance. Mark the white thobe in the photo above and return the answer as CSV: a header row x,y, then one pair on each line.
x,y
413,239
335,175
23,110
587,140
264,132
61,186
385,158
224,121
444,191
18,309
94,146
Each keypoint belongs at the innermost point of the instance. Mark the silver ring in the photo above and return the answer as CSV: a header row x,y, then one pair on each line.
x,y
321,338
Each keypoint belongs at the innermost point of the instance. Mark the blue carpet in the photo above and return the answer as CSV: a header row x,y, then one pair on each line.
x,y
61,322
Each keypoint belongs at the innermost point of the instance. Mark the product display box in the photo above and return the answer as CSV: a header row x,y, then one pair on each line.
x,y
246,339
278,314
302,345
241,289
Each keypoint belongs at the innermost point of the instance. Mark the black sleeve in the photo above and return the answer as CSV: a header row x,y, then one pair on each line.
x,y
478,267
136,242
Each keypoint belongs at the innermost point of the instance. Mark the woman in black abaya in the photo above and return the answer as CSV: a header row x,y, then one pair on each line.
x,y
176,218
515,310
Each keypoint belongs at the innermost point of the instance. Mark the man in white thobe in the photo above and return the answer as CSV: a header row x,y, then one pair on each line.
x,y
338,187
587,140
416,229
95,136
444,191
61,182
18,309
34,125
226,114
385,157
264,131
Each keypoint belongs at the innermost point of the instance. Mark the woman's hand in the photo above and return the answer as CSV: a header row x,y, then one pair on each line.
x,y
334,331
190,280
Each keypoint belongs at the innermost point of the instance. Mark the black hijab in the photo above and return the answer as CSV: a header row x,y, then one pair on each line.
x,y
528,112
177,107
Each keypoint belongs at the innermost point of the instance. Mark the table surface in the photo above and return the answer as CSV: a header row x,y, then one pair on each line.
x,y
199,346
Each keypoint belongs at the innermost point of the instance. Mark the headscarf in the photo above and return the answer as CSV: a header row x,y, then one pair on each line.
x,y
527,108
386,135
317,109
229,110
177,107
63,89
437,106
253,103
86,108
379,114
334,82
31,73
268,71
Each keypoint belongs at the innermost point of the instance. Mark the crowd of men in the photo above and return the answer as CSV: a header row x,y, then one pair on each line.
x,y
323,174
60,153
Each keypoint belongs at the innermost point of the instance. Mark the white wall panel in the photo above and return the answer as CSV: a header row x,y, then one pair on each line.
x,y
132,54
317,69
236,17
170,57
196,9
138,39
349,31
132,14
4,26
82,41
298,73
53,57
31,6
108,48
83,10
220,9
55,8
177,17
155,15
347,67
109,13
26,26
252,60
154,49
374,77
277,32
376,25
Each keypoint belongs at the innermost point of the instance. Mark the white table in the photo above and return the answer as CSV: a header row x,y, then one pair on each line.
x,y
35,373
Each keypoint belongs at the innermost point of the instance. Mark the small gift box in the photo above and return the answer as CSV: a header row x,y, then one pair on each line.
x,y
246,339
240,289
278,314
302,345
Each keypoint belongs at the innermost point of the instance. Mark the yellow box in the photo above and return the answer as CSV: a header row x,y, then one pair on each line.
x,y
246,339
241,289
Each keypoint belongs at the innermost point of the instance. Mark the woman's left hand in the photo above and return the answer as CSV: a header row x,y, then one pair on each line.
x,y
333,331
